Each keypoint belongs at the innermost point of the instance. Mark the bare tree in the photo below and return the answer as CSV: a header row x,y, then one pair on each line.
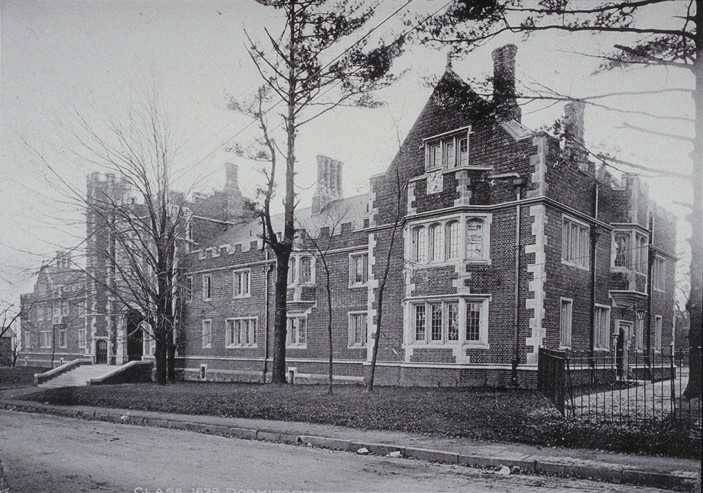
x,y
322,242
138,222
398,222
652,40
294,70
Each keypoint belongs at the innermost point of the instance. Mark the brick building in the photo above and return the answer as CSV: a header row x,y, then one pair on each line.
x,y
71,313
507,242
461,307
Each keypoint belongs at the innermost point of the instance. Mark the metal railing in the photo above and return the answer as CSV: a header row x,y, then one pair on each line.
x,y
623,387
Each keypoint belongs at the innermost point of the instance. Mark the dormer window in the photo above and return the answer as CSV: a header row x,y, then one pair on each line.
x,y
448,150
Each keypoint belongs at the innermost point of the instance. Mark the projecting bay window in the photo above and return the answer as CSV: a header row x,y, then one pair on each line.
x,y
621,244
448,150
301,270
449,322
457,238
475,239
641,253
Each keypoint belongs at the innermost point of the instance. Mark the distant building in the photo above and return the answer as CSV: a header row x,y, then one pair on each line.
x,y
507,244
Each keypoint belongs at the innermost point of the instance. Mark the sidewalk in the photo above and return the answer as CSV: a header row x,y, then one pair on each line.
x,y
662,472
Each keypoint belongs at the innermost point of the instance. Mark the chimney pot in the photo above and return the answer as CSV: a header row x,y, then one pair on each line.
x,y
329,183
574,130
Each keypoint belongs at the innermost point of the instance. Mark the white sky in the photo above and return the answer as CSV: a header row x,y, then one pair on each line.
x,y
99,58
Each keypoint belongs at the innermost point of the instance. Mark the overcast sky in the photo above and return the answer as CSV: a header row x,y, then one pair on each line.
x,y
98,58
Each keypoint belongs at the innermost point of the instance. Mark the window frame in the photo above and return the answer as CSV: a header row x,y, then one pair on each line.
x,y
203,345
566,336
82,340
583,243
462,304
641,260
418,249
62,335
352,269
207,287
290,344
237,283
441,159
607,328
351,335
250,331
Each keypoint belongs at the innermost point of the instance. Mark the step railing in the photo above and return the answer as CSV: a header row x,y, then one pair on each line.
x,y
40,378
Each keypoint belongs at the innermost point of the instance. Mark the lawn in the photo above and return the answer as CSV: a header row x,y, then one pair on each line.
x,y
482,414
18,376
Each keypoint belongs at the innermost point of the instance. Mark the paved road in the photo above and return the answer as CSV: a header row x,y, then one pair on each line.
x,y
55,454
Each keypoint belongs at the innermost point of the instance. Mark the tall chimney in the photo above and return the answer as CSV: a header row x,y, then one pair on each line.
x,y
231,176
574,149
329,183
233,207
504,83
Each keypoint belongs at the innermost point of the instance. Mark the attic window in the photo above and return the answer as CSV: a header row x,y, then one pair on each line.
x,y
448,150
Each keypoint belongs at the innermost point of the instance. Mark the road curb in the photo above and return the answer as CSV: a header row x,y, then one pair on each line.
x,y
675,480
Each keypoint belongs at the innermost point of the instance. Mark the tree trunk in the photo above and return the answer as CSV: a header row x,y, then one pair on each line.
x,y
171,361
695,303
278,370
160,357
329,328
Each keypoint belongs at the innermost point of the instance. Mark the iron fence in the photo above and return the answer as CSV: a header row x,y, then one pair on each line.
x,y
623,387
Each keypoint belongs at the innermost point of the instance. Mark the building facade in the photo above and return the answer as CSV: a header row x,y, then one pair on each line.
x,y
498,240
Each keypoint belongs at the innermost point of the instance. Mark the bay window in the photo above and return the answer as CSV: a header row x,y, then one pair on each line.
x,y
445,241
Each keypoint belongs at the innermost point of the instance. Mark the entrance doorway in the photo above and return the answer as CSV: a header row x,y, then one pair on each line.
x,y
135,336
101,352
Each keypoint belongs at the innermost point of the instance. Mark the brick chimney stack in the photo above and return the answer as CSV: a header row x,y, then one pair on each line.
x,y
233,195
231,176
574,132
329,183
504,83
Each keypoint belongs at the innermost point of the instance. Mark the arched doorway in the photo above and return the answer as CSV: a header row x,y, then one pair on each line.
x,y
135,336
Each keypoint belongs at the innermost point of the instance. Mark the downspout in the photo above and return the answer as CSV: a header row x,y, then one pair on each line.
x,y
267,271
650,266
594,242
518,183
